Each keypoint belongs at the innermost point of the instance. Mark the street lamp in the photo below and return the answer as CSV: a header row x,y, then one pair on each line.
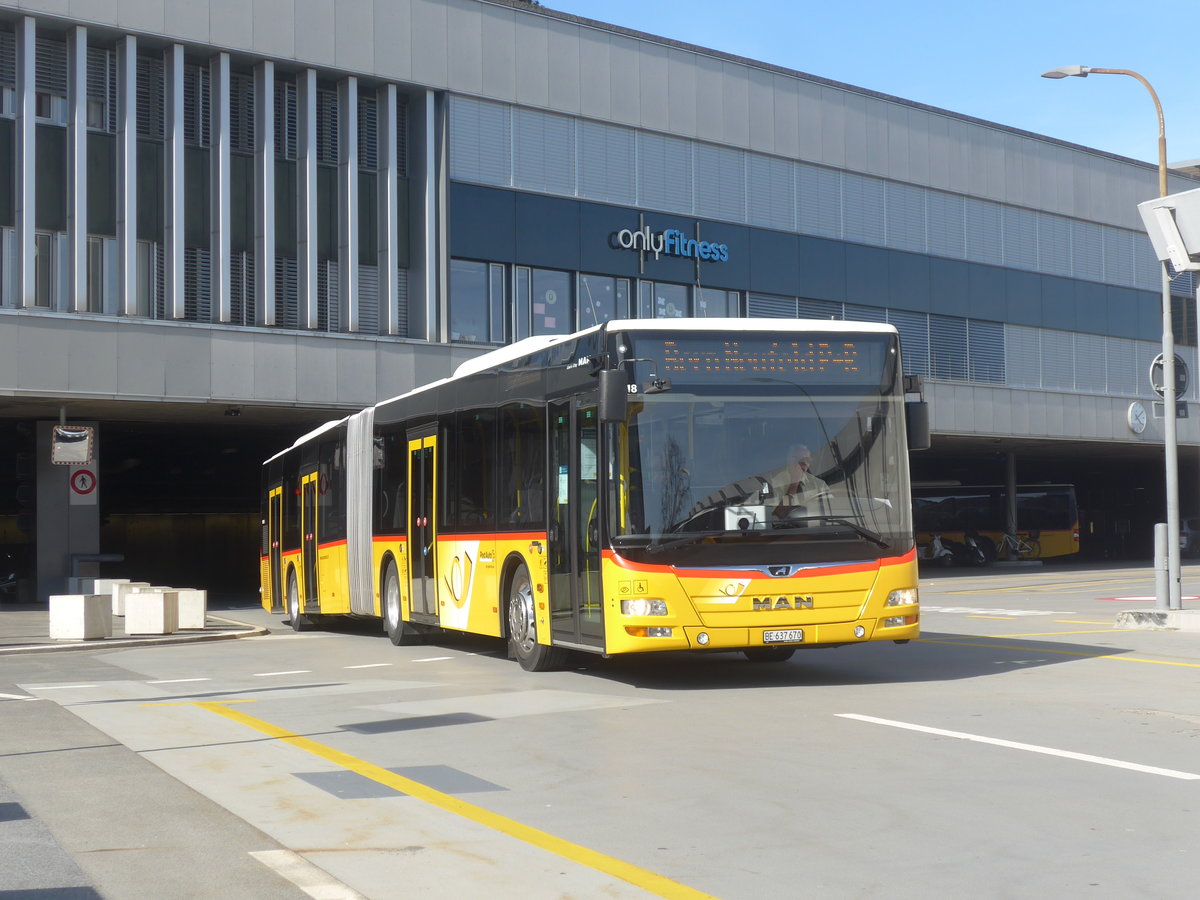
x,y
1170,436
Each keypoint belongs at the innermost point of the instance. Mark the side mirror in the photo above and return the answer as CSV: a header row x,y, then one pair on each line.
x,y
916,423
614,395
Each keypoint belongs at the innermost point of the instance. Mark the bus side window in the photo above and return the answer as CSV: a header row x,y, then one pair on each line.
x,y
522,490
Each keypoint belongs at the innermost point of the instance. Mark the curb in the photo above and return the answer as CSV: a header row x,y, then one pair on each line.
x,y
182,637
1159,619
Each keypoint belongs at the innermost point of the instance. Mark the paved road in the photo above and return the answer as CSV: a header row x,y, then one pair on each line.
x,y
1023,748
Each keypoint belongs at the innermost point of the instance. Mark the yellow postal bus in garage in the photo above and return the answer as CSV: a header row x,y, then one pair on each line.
x,y
719,484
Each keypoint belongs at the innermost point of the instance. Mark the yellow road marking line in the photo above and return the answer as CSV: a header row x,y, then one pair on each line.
x,y
1155,662
635,875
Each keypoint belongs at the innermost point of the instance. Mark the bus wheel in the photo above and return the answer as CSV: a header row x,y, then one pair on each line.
x,y
299,622
522,628
397,629
769,654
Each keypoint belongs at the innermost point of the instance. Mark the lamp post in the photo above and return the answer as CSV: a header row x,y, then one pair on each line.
x,y
1170,435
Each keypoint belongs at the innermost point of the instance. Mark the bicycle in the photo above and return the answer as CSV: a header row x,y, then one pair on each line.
x,y
1013,546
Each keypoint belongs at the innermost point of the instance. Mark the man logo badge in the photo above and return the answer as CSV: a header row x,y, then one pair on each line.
x,y
779,571
804,602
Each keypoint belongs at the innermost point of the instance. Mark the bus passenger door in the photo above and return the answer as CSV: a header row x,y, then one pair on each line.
x,y
577,612
308,546
275,544
422,521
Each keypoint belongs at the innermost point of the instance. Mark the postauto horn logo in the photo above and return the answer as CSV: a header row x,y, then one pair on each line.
x,y
671,242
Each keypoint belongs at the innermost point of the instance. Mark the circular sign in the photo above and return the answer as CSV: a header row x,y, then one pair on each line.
x,y
83,482
1156,376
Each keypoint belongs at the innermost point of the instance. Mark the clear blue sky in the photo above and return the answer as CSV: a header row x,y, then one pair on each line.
x,y
981,59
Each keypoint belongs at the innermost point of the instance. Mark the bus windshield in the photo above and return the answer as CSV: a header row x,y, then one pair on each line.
x,y
761,450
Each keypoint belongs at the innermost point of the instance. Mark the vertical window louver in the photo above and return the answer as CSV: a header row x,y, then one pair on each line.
x,y
285,119
327,126
51,67
150,97
197,290
242,298
8,60
197,105
327,296
402,135
241,113
287,309
102,89
368,133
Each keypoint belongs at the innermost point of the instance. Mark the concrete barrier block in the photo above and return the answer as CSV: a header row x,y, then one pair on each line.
x,y
193,607
80,617
104,585
152,611
120,590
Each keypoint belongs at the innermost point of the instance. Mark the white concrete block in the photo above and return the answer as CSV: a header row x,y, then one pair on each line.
x,y
80,617
193,607
120,590
151,611
105,585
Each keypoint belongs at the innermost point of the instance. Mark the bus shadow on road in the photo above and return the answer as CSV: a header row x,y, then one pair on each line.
x,y
934,657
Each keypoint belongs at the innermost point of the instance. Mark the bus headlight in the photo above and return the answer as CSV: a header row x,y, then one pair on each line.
x,y
902,597
643,607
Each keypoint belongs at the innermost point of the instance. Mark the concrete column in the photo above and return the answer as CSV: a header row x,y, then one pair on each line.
x,y
77,186
68,519
306,201
220,206
348,238
127,146
173,184
428,175
264,191
389,214
24,196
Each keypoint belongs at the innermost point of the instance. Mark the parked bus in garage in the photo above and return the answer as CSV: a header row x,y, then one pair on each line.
x,y
1047,518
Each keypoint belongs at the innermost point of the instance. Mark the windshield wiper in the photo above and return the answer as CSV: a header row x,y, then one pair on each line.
x,y
694,536
862,532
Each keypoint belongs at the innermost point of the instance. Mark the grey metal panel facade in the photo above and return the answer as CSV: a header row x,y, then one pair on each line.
x,y
137,359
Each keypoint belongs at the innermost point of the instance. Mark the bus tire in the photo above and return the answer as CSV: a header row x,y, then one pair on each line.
x,y
769,654
299,622
398,631
522,627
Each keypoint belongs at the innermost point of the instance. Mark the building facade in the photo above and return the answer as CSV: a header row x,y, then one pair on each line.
x,y
221,223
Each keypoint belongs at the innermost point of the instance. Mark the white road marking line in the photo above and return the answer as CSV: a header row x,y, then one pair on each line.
x,y
314,881
1032,748
177,680
369,666
64,687
17,697
433,659
290,672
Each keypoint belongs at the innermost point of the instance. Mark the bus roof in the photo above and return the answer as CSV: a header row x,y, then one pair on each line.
x,y
531,345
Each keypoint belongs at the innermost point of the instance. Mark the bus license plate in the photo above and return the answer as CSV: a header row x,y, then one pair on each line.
x,y
791,636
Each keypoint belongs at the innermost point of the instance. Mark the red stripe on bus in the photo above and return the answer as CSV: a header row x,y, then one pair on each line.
x,y
387,538
495,536
622,563
340,543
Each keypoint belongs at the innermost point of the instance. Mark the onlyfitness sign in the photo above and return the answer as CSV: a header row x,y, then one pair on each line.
x,y
671,242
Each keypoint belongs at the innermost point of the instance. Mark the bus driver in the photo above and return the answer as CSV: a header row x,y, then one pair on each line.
x,y
796,484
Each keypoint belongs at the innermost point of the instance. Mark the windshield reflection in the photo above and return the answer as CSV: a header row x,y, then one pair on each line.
x,y
809,472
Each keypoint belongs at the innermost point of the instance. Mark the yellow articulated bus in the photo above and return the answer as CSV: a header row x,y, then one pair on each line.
x,y
718,484
1047,518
